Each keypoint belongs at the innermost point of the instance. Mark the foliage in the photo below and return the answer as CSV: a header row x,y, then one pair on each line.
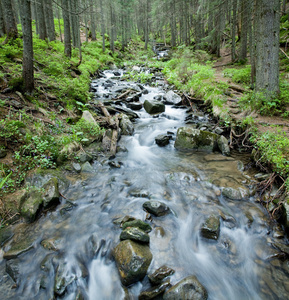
x,y
239,75
188,74
274,150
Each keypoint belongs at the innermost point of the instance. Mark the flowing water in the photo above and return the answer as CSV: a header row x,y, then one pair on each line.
x,y
241,264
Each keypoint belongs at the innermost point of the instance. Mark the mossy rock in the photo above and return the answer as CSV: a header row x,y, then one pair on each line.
x,y
132,260
154,107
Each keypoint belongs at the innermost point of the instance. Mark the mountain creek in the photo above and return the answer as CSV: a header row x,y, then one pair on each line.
x,y
152,222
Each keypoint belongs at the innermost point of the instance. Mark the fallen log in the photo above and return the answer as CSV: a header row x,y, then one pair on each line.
x,y
110,120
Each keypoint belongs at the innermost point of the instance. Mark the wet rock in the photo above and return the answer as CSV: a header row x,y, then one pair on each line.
x,y
88,117
188,288
235,194
3,153
139,224
51,192
154,107
87,168
5,235
115,164
160,274
139,193
132,260
218,130
83,157
12,268
120,220
193,139
68,206
286,214
63,278
172,98
76,167
18,247
134,234
126,125
121,109
135,105
211,228
51,244
156,208
282,247
116,73
223,145
155,291
32,205
163,140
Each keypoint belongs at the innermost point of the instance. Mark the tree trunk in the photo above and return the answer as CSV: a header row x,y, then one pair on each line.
x,y
67,32
92,20
49,20
102,26
59,23
267,47
10,21
2,23
26,20
234,23
34,15
244,29
41,20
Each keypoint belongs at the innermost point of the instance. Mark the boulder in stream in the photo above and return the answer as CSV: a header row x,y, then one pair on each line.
x,y
156,208
139,224
154,291
154,107
172,98
211,228
135,234
135,105
126,125
160,274
189,138
188,288
235,194
132,260
163,140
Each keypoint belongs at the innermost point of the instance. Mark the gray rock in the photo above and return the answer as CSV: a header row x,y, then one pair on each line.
x,y
223,145
126,125
87,168
76,167
139,224
156,208
5,235
286,214
163,140
235,194
194,139
160,274
115,164
3,153
51,192
218,130
18,247
51,244
154,107
83,157
70,149
12,268
187,289
132,260
172,98
153,292
87,116
210,229
135,105
134,234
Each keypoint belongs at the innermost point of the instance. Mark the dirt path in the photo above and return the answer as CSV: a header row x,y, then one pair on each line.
x,y
236,91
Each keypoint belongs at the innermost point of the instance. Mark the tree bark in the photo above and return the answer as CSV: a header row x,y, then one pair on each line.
x,y
102,26
233,26
49,20
92,20
67,32
2,23
267,47
41,20
10,20
244,29
26,20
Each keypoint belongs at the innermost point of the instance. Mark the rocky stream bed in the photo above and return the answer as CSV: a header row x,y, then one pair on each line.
x,y
171,215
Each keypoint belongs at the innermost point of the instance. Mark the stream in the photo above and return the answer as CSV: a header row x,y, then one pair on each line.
x,y
242,263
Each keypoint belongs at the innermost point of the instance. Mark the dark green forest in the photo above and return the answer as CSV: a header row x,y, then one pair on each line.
x,y
50,50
